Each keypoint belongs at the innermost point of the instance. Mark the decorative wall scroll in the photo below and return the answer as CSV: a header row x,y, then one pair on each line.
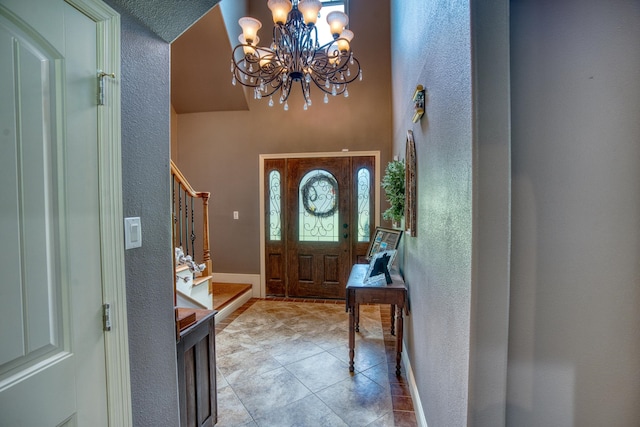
x,y
410,187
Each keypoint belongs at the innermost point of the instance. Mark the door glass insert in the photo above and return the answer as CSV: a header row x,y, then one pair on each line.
x,y
318,207
275,207
364,213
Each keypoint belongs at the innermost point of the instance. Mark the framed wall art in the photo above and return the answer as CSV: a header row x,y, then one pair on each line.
x,y
410,187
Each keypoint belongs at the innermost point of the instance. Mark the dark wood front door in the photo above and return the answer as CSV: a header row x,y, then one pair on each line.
x,y
318,230
318,221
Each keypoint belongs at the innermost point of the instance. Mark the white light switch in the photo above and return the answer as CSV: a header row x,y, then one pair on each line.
x,y
236,215
132,233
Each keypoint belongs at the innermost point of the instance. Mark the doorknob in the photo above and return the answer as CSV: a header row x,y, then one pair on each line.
x,y
345,235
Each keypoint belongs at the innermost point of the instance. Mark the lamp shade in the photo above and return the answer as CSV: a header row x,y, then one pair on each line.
x,y
345,40
248,49
337,21
250,27
279,9
309,10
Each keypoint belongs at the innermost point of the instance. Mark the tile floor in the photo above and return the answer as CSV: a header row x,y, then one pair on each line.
x,y
285,363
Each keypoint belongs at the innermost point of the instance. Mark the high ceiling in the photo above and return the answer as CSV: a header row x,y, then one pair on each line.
x,y
200,49
200,76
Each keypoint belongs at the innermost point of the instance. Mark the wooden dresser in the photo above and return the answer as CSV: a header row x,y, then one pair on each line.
x,y
197,372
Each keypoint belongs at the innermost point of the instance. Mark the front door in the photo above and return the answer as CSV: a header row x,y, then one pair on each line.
x,y
52,356
318,221
318,199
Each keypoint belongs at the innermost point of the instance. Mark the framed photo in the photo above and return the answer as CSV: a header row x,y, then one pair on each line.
x,y
379,269
384,239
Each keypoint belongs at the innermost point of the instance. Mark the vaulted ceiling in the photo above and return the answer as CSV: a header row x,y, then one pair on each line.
x,y
200,49
200,76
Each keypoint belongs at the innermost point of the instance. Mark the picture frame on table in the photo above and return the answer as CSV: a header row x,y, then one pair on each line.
x,y
378,272
384,239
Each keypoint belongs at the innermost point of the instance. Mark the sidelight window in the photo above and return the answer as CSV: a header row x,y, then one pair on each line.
x,y
275,206
364,212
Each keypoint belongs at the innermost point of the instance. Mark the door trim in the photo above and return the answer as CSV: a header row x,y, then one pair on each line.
x,y
111,212
263,157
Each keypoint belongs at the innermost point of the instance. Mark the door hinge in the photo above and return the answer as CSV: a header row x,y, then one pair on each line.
x,y
101,76
106,317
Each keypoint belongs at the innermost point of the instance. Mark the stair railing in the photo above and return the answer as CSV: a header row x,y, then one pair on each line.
x,y
183,218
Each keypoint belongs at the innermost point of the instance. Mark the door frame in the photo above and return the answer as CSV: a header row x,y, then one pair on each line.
x,y
263,157
116,341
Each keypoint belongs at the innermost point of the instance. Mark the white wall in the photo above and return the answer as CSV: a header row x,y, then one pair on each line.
x,y
574,354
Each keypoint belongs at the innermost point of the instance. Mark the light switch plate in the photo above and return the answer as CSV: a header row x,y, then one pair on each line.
x,y
132,233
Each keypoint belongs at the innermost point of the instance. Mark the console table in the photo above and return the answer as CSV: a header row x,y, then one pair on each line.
x,y
359,292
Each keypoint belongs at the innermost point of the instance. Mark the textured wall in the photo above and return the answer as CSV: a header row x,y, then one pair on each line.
x,y
166,18
218,152
575,325
145,175
431,46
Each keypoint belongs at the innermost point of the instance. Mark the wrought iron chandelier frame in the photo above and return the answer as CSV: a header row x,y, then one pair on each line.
x,y
295,56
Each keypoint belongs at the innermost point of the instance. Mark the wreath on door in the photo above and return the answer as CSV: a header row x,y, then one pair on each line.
x,y
329,194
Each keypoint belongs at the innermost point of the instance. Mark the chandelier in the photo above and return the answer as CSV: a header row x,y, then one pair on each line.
x,y
295,54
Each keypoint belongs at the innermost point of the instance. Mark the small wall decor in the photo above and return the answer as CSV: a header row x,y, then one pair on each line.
x,y
418,103
410,187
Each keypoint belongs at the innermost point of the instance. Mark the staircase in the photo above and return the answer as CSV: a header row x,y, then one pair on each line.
x,y
193,281
193,286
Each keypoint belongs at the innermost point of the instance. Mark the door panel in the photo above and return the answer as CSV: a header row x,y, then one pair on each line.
x,y
50,309
318,244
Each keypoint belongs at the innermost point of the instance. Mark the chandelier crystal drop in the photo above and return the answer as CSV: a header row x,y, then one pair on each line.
x,y
295,54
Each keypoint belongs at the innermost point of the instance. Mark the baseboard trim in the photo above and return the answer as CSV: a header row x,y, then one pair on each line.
x,y
251,279
413,389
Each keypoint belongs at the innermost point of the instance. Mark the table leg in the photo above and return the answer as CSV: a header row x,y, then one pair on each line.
x,y
399,341
357,321
393,319
352,335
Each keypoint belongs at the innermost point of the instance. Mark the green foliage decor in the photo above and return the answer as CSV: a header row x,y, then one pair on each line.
x,y
393,185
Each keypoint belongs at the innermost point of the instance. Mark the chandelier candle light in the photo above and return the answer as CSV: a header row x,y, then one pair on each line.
x,y
295,54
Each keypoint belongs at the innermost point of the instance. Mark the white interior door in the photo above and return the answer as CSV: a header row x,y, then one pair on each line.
x,y
52,353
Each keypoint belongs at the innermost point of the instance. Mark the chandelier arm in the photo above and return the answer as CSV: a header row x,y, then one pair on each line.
x,y
323,70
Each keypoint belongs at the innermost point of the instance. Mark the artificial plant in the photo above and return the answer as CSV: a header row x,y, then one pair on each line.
x,y
393,185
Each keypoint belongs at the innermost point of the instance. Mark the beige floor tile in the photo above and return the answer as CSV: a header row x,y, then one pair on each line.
x,y
307,412
294,350
234,413
269,391
358,400
243,365
319,371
